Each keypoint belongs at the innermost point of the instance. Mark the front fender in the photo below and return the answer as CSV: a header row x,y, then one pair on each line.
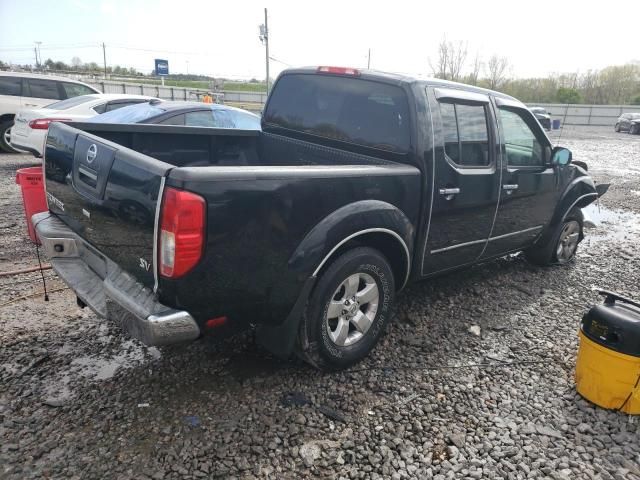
x,y
579,193
348,222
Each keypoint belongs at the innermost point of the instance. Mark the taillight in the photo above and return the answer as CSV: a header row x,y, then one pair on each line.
x,y
182,222
43,123
339,71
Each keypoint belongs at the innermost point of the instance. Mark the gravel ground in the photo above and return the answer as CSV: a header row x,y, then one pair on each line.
x,y
435,400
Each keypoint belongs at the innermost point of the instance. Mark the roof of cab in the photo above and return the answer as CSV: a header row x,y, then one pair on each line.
x,y
407,79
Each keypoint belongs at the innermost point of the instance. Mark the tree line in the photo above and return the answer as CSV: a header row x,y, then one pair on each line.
x,y
618,84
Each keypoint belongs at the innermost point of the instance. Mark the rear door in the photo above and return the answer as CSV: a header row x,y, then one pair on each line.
x,y
10,94
466,179
529,183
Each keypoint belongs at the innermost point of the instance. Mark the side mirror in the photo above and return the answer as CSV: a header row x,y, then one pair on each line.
x,y
561,156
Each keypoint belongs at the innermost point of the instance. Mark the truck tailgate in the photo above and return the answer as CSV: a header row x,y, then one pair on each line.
x,y
107,194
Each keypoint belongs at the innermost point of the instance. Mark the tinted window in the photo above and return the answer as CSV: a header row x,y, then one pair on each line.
x,y
131,114
43,89
99,108
175,120
450,131
10,86
465,134
342,108
70,102
116,105
75,89
521,145
199,119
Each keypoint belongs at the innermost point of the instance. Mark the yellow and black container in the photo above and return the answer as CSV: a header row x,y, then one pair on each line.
x,y
608,363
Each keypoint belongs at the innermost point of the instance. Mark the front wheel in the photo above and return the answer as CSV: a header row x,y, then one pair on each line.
x,y
563,244
617,128
633,129
348,310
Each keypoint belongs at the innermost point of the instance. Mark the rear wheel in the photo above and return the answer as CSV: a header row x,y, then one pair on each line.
x,y
633,129
5,135
348,310
563,244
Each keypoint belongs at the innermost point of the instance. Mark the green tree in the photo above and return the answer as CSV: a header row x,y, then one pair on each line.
x,y
567,95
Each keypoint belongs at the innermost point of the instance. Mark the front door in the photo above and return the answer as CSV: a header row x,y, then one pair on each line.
x,y
529,183
465,179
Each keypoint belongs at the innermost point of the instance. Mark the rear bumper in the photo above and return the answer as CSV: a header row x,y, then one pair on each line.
x,y
108,290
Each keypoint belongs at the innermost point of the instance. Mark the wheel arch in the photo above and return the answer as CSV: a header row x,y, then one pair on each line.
x,y
372,223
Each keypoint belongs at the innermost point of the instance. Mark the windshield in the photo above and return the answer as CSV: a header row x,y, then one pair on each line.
x,y
538,110
131,114
70,102
635,116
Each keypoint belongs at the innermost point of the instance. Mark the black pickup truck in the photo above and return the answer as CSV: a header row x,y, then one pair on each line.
x,y
358,183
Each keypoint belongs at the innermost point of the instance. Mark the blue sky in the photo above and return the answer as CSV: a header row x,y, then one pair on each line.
x,y
221,39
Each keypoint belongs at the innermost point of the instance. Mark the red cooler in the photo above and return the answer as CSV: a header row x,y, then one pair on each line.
x,y
33,199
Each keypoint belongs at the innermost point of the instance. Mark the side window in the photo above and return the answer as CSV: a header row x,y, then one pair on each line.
x,y
116,105
175,120
99,108
199,119
75,89
11,86
465,134
43,89
523,149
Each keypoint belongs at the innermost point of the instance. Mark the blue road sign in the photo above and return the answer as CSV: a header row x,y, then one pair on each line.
x,y
162,67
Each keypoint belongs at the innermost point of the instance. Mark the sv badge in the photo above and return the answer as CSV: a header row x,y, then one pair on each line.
x,y
144,264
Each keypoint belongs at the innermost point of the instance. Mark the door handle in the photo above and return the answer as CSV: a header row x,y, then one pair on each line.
x,y
30,105
510,187
449,193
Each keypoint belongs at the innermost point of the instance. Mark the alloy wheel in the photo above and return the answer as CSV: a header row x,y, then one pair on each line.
x,y
352,309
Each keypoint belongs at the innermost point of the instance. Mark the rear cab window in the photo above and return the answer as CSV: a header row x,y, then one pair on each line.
x,y
352,110
465,134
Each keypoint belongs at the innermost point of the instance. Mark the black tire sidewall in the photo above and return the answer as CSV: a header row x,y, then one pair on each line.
x,y
360,260
4,147
556,239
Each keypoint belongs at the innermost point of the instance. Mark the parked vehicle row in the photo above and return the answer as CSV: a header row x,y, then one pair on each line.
x,y
358,183
25,90
30,125
628,122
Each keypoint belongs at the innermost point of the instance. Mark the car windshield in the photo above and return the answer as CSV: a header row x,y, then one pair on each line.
x,y
635,116
227,118
70,102
131,114
538,110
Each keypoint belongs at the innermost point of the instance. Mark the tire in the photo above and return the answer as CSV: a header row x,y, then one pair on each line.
x,y
337,331
633,129
5,146
617,128
562,247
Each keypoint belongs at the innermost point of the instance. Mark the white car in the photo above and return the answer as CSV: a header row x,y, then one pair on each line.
x,y
30,126
32,90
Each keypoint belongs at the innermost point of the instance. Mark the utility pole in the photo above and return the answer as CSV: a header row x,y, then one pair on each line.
x,y
369,60
38,56
264,38
35,50
104,58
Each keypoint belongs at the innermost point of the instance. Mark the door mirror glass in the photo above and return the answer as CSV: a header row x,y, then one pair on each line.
x,y
561,156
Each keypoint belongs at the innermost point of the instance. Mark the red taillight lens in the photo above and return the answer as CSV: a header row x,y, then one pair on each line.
x,y
43,123
339,71
182,222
